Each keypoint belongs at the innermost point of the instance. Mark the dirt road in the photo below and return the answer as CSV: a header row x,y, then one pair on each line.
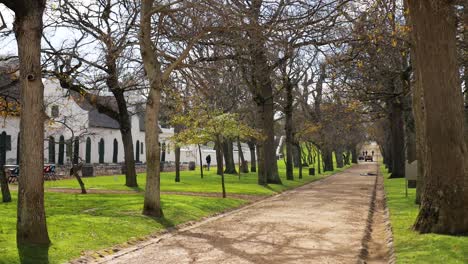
x,y
322,222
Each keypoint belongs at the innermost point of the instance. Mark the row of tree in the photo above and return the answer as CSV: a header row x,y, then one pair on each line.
x,y
330,74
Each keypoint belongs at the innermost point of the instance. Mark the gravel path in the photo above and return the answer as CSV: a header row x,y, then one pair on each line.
x,y
322,222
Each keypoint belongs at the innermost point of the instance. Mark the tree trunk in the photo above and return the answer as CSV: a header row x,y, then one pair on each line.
x,y
127,141
177,163
268,167
288,127
220,144
444,198
354,154
152,201
339,157
201,161
398,140
219,159
31,221
253,158
328,160
74,172
299,153
243,167
228,153
263,97
297,157
388,152
6,196
177,129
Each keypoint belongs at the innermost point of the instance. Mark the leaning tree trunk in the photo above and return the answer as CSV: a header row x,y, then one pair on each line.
x,y
228,153
253,157
31,221
152,201
74,171
398,141
444,203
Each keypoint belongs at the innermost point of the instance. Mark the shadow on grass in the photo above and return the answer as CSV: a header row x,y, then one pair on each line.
x,y
33,254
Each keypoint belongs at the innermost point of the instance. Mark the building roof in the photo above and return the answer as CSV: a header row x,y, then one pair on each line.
x,y
9,83
96,119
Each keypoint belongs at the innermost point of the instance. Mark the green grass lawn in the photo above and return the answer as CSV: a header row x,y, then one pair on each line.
x,y
92,222
78,223
410,246
191,182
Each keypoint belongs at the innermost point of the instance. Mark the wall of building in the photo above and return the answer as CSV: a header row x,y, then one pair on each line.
x,y
77,125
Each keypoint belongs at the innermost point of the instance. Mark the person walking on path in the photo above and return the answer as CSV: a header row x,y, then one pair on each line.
x,y
208,161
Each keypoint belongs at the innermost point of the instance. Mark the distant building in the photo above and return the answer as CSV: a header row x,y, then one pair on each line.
x,y
97,138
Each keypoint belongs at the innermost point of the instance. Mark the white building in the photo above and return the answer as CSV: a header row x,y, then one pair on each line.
x,y
70,114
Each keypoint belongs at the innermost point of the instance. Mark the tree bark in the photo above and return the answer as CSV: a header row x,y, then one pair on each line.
x,y
263,97
177,163
243,167
31,221
74,172
328,160
354,154
444,198
201,161
152,200
177,129
253,158
219,159
398,140
6,196
339,157
228,153
299,154
288,128
127,141
220,144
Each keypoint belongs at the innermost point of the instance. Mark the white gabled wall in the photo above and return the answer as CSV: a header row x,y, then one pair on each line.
x,y
77,119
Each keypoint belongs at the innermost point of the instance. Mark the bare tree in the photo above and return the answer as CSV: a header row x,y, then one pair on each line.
x,y
101,59
178,23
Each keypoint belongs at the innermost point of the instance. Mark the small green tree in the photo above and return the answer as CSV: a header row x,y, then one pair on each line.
x,y
204,125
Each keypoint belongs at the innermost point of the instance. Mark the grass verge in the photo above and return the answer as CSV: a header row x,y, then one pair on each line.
x,y
191,182
78,223
410,246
